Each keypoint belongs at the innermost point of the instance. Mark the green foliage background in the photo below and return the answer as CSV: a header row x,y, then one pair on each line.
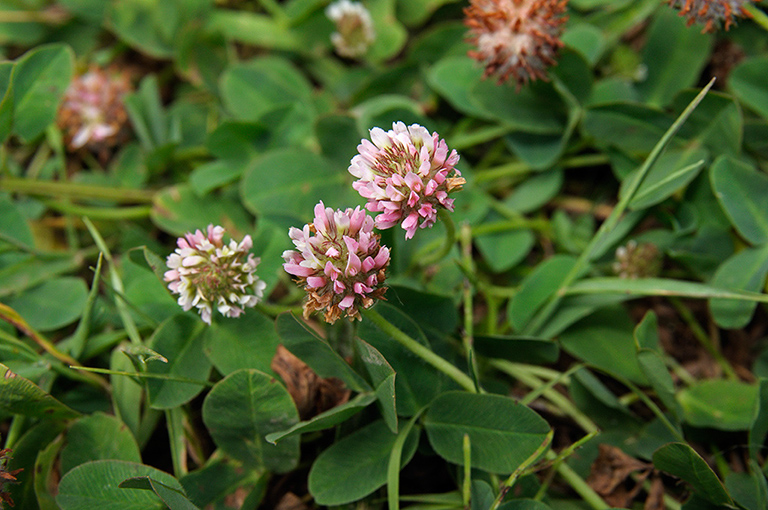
x,y
243,116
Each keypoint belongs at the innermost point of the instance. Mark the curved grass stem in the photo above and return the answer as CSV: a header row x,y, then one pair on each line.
x,y
421,351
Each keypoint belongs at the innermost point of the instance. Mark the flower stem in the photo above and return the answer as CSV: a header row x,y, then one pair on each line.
x,y
703,338
578,484
519,168
76,191
758,16
421,351
450,239
100,213
522,374
504,488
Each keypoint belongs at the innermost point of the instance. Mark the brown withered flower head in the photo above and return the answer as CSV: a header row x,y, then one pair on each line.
x,y
6,477
515,39
712,13
92,114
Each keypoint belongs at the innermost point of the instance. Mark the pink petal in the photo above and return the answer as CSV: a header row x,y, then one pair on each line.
x,y
315,281
348,301
297,270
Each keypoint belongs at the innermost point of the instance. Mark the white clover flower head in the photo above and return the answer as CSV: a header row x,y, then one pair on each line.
x,y
711,13
354,28
339,262
207,273
92,113
517,39
406,174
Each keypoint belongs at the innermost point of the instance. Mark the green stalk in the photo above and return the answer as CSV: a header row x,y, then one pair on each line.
x,y
610,223
174,420
50,16
521,469
652,406
558,399
578,484
450,239
465,239
703,338
419,350
466,487
758,16
100,213
520,168
75,191
275,10
144,375
122,306
18,423
395,459
516,224
482,135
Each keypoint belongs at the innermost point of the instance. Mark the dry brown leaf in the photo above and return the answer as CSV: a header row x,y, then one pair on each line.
x,y
311,393
610,472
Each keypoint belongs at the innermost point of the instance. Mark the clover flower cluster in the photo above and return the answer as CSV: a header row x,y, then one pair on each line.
x,y
339,262
354,28
92,114
406,174
207,273
711,13
517,39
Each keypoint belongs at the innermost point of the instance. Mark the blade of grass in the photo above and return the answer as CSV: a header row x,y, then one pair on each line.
x,y
395,458
80,336
117,284
610,223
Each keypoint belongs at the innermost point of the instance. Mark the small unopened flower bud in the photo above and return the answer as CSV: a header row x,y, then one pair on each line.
x,y
354,28
406,174
637,261
711,13
92,114
339,262
207,273
516,39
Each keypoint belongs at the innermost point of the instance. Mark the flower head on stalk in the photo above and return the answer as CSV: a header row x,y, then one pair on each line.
x,y
516,39
339,262
93,114
406,174
354,28
711,13
207,273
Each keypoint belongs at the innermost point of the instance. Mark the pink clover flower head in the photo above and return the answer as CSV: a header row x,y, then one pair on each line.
x,y
406,174
93,114
339,261
206,273
711,13
354,28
